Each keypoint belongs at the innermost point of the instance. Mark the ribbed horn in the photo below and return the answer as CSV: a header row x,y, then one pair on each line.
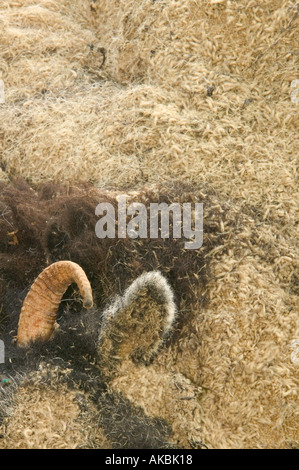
x,y
40,307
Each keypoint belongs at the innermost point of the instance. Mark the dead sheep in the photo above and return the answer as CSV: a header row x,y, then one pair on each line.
x,y
182,348
86,408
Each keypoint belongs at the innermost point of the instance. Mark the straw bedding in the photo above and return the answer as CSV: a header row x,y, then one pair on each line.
x,y
126,94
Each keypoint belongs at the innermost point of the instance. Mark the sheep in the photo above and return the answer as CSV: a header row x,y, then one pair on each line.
x,y
183,348
133,329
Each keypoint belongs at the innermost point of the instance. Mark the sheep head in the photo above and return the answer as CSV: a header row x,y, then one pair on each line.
x,y
228,347
124,379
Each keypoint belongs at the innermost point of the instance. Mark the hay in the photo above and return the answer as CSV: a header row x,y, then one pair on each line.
x,y
125,94
60,420
200,92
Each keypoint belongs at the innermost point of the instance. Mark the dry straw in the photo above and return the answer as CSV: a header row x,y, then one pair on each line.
x,y
126,93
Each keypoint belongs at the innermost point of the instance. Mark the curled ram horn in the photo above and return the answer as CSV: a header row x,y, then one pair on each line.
x,y
40,307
